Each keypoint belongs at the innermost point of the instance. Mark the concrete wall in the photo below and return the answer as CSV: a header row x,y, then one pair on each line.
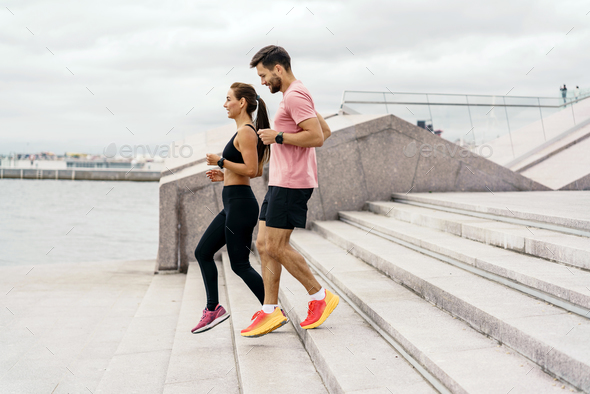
x,y
188,203
580,184
367,158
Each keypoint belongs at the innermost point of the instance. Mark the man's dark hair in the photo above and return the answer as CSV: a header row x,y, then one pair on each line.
x,y
270,56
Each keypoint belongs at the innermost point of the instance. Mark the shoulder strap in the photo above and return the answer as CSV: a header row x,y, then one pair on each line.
x,y
247,124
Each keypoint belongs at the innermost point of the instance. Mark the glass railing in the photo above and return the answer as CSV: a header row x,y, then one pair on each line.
x,y
467,119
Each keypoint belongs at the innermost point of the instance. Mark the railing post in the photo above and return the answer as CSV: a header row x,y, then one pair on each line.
x,y
542,123
470,120
508,123
340,112
573,115
430,112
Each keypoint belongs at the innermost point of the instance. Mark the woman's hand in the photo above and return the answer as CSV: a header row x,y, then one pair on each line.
x,y
212,159
215,175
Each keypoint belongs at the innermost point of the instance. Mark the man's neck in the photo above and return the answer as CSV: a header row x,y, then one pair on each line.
x,y
287,81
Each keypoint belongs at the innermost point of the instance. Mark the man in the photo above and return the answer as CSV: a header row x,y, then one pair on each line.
x,y
292,178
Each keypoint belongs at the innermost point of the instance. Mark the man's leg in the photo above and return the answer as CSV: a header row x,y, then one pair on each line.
x,y
271,269
278,248
266,321
322,301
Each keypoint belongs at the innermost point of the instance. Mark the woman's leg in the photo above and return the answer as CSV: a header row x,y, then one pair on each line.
x,y
242,217
212,240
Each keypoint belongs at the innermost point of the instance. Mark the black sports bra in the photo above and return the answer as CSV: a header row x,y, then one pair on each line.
x,y
231,153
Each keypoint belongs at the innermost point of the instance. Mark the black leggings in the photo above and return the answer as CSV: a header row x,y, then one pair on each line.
x,y
234,226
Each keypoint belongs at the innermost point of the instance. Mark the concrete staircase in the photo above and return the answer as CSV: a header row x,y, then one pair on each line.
x,y
435,297
347,355
482,304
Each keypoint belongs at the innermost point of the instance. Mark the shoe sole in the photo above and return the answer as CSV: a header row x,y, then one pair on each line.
x,y
329,309
212,324
279,325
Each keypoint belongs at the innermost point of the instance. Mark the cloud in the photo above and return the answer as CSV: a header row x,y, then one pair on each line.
x,y
151,63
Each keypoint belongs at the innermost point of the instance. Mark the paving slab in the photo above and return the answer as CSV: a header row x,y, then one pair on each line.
x,y
77,314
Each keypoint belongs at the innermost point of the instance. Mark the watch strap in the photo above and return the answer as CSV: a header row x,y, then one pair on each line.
x,y
279,138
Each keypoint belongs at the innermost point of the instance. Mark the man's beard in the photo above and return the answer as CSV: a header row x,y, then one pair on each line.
x,y
275,84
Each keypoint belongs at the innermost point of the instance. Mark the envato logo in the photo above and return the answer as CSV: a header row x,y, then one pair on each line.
x,y
164,151
447,150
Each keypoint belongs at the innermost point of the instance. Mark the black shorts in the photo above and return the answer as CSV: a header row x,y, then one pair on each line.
x,y
285,208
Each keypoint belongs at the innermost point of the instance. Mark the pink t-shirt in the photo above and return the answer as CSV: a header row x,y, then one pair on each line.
x,y
292,166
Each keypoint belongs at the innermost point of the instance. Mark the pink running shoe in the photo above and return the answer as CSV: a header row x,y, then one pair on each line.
x,y
210,319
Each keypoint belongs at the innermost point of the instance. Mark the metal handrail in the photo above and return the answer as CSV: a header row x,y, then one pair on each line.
x,y
586,92
466,100
428,102
466,104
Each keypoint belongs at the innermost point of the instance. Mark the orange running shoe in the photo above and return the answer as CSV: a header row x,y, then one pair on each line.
x,y
264,323
318,311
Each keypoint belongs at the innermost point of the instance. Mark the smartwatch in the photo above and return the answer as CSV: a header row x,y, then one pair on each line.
x,y
279,138
220,162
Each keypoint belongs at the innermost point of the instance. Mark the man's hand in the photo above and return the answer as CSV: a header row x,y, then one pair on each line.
x,y
267,136
215,175
212,159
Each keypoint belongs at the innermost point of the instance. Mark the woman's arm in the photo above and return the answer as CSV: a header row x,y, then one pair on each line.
x,y
247,142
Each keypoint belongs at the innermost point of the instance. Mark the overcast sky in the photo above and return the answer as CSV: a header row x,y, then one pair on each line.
x,y
161,66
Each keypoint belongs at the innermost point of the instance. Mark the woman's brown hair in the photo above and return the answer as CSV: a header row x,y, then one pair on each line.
x,y
246,91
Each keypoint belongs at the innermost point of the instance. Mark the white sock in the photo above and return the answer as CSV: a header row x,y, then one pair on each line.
x,y
320,295
269,308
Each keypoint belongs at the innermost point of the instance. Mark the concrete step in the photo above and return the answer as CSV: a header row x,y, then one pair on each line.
x,y
563,211
462,359
572,250
63,322
555,283
349,354
205,361
276,362
556,340
140,363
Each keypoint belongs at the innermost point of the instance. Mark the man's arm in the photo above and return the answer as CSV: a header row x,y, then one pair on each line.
x,y
310,136
325,128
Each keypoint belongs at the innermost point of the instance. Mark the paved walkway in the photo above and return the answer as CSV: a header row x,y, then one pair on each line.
x,y
61,324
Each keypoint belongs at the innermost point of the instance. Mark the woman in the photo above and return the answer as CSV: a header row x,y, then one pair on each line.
x,y
243,158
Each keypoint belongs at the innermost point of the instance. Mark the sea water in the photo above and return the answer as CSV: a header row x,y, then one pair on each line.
x,y
54,221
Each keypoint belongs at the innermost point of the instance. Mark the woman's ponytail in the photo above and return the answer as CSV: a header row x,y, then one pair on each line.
x,y
262,122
